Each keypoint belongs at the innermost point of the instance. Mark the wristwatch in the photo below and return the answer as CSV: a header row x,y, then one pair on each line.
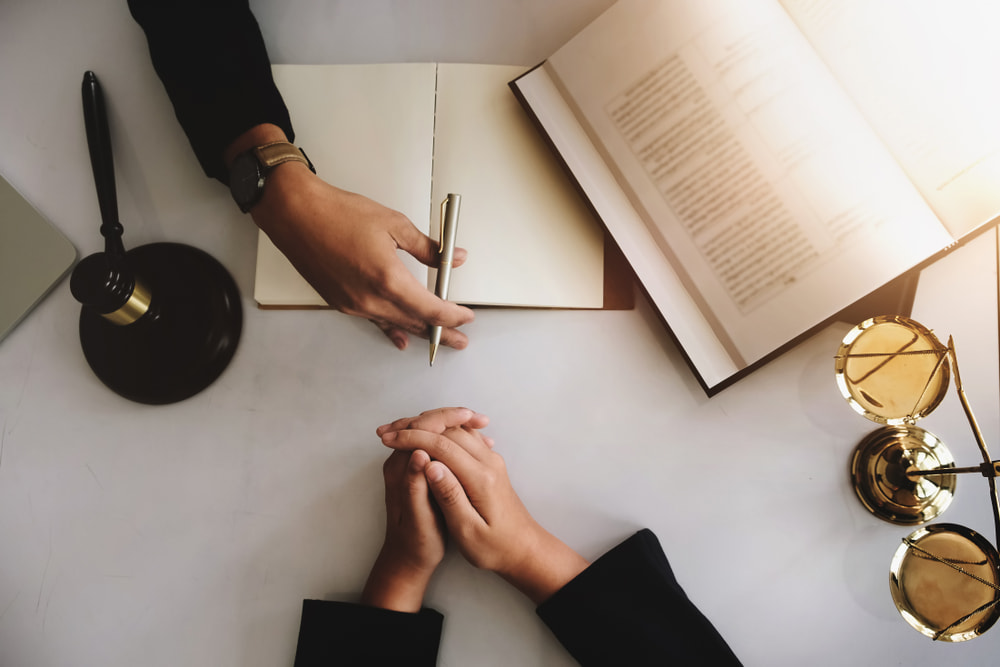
x,y
249,170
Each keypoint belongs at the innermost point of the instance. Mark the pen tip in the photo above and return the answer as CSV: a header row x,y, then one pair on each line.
x,y
434,349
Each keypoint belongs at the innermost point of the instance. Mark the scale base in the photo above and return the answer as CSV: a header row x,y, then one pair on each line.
x,y
879,473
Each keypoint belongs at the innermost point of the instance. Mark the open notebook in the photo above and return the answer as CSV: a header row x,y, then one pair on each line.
x,y
406,135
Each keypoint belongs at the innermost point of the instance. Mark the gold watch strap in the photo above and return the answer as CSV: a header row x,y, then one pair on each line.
x,y
273,154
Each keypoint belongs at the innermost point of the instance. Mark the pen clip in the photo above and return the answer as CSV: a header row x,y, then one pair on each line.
x,y
444,205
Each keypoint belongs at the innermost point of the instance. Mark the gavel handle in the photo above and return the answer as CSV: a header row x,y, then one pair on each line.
x,y
102,162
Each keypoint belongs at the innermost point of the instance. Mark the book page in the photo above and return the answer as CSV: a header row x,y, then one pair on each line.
x,y
688,322
762,184
924,73
351,124
531,239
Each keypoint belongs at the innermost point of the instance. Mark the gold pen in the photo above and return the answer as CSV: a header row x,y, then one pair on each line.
x,y
446,249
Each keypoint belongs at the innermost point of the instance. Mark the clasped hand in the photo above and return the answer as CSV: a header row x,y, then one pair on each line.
x,y
444,452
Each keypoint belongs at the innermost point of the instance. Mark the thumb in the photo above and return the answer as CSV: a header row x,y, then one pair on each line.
x,y
450,496
416,480
419,502
423,247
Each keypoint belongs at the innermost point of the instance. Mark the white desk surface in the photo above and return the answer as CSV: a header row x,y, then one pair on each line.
x,y
189,534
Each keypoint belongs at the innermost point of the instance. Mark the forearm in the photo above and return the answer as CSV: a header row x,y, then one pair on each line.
x,y
547,565
396,587
211,58
284,182
627,608
258,135
341,633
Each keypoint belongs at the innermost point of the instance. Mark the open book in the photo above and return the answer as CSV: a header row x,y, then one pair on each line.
x,y
764,163
406,135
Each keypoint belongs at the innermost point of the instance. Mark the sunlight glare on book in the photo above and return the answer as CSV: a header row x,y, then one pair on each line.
x,y
763,164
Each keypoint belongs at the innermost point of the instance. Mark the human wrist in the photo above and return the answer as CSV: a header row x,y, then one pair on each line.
x,y
546,565
395,585
254,171
258,135
287,184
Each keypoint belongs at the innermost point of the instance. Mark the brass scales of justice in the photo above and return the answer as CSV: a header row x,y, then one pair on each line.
x,y
944,578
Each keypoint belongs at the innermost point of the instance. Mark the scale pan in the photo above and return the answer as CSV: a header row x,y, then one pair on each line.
x,y
945,581
892,370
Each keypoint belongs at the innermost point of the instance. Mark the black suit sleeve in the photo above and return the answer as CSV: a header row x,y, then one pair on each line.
x,y
211,58
625,609
628,609
341,633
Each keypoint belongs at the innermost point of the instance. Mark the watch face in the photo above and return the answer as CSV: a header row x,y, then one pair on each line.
x,y
246,180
